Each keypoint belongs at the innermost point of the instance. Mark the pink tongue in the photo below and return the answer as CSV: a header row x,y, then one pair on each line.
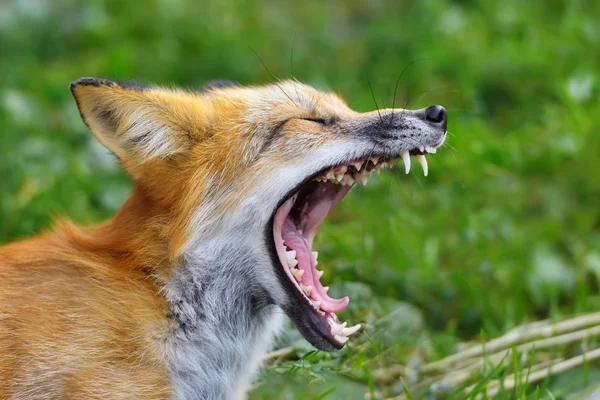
x,y
294,240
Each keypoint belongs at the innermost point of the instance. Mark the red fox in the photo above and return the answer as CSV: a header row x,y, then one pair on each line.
x,y
179,295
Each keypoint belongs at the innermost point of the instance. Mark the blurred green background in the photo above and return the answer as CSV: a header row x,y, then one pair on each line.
x,y
505,229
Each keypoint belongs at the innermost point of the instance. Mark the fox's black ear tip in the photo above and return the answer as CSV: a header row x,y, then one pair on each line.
x,y
97,82
91,82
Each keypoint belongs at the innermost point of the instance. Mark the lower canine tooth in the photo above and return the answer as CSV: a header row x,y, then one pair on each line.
x,y
423,162
291,258
298,273
351,330
337,329
307,289
406,159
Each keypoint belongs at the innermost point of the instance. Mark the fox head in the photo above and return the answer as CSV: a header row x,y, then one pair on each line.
x,y
246,175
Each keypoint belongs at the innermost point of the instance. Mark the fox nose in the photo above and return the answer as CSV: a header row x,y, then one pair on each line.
x,y
437,115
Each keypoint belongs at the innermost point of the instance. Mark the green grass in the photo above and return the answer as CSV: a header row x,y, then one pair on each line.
x,y
506,228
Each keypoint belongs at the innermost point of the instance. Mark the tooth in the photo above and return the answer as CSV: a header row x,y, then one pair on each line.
x,y
315,255
318,304
291,258
423,162
364,178
298,273
343,169
306,289
326,289
374,160
432,150
357,165
406,159
421,148
348,180
378,168
351,330
337,329
319,274
329,175
338,175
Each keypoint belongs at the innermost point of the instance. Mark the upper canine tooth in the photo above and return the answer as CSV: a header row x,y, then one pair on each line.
x,y
406,159
338,175
421,148
337,329
432,150
357,165
298,273
307,289
330,175
374,160
291,258
378,168
349,331
423,162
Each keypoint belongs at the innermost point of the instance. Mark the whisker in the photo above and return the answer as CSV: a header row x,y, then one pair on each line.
x,y
292,65
396,88
272,76
374,100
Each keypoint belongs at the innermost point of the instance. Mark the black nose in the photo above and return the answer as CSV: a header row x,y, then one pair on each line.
x,y
437,115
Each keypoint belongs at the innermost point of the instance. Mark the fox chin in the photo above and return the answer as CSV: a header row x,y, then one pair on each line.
x,y
180,293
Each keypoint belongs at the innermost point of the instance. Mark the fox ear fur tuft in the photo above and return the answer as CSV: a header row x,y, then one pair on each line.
x,y
137,121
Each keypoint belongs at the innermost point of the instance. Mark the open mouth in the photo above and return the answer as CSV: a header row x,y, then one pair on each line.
x,y
296,223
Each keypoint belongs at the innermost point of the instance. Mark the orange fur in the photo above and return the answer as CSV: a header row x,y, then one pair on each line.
x,y
80,314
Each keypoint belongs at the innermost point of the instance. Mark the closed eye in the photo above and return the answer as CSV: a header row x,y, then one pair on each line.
x,y
320,121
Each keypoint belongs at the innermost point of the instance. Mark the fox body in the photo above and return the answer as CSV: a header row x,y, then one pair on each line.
x,y
180,294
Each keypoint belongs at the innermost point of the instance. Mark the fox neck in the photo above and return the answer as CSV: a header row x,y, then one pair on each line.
x,y
223,322
224,326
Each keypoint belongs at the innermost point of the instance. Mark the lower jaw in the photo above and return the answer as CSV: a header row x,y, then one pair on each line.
x,y
308,305
309,324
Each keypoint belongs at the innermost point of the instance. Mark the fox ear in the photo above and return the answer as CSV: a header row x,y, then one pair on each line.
x,y
136,121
